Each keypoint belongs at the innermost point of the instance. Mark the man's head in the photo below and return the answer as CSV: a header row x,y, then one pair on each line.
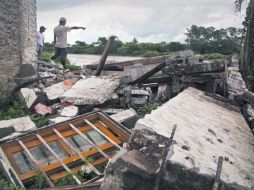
x,y
42,29
62,21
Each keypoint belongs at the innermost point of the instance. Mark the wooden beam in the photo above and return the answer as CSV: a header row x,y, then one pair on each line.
x,y
104,56
105,136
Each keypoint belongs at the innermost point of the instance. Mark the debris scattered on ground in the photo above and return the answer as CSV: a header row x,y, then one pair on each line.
x,y
42,109
69,111
131,90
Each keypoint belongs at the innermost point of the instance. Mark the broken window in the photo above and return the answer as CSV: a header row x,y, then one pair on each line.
x,y
57,150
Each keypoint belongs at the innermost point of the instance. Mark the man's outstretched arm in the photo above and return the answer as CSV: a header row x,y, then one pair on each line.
x,y
77,27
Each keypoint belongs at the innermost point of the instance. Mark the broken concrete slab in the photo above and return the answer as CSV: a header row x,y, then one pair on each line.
x,y
196,115
127,117
69,111
29,96
236,84
7,127
206,129
55,91
92,91
23,124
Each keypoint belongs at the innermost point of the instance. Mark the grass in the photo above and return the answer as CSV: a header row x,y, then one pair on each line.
x,y
5,185
18,109
40,182
213,56
147,109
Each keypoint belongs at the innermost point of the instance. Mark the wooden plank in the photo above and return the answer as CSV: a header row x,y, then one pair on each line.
x,y
109,124
104,56
96,129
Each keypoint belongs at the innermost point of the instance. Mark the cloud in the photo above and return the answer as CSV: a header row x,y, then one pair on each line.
x,y
147,20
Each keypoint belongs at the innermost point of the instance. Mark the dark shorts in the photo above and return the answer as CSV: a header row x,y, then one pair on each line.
x,y
61,52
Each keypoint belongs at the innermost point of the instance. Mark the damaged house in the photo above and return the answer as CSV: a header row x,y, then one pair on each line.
x,y
169,122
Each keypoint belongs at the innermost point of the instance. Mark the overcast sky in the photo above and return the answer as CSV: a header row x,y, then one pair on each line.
x,y
147,20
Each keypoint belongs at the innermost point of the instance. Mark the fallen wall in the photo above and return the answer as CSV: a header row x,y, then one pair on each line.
x,y
17,39
206,129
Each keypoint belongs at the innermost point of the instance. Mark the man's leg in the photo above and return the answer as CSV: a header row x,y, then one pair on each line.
x,y
57,53
63,55
39,50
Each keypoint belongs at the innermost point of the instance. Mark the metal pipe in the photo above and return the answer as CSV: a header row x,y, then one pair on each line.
x,y
59,160
99,131
76,151
88,140
51,184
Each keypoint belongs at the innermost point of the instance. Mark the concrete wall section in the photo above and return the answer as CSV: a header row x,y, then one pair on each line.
x,y
206,129
17,39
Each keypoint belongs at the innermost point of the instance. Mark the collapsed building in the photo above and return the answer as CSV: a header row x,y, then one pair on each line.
x,y
191,141
199,137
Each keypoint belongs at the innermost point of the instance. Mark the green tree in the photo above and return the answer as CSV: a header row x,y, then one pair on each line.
x,y
209,40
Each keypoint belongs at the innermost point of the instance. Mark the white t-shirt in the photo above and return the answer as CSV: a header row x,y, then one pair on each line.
x,y
40,38
61,36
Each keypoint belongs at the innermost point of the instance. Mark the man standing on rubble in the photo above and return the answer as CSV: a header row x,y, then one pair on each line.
x,y
60,40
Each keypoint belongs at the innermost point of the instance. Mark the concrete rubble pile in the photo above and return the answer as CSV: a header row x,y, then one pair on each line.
x,y
207,101
206,128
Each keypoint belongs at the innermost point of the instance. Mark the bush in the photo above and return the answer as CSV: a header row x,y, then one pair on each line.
x,y
147,109
212,56
151,54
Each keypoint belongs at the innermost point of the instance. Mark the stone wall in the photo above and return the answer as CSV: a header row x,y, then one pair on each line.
x,y
17,39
